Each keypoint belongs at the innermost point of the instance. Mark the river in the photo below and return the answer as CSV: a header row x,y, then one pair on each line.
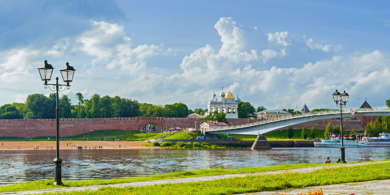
x,y
19,166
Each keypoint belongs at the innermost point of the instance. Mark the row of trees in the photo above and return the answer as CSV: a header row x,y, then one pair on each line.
x,y
39,106
380,125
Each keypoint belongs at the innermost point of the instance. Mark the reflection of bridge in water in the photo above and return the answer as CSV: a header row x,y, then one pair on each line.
x,y
266,126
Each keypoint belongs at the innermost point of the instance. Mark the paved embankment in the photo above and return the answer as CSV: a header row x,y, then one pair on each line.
x,y
367,187
192,179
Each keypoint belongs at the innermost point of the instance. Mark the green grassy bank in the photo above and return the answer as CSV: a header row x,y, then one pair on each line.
x,y
134,135
194,145
47,184
185,135
261,183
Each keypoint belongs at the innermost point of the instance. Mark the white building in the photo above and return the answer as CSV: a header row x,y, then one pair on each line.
x,y
226,104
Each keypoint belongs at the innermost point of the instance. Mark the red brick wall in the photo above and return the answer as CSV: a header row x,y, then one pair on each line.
x,y
72,127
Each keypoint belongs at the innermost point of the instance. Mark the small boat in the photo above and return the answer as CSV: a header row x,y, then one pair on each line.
x,y
382,141
336,143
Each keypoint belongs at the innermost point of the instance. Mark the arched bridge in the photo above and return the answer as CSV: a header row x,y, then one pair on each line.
x,y
267,126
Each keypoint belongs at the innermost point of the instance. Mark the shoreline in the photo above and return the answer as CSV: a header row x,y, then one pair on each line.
x,y
73,145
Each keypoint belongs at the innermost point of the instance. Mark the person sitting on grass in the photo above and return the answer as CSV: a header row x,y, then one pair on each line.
x,y
338,160
327,161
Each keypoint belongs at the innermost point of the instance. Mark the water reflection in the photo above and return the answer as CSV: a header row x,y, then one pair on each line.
x,y
18,166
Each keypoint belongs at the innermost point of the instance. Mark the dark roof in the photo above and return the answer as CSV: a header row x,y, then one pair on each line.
x,y
305,109
365,105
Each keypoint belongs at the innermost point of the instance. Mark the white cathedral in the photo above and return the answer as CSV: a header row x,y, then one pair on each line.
x,y
225,103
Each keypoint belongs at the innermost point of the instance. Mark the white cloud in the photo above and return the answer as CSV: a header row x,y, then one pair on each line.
x,y
279,38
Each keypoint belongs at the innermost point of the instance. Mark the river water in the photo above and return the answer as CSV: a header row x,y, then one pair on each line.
x,y
19,166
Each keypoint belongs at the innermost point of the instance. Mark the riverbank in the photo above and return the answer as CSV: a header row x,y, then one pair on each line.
x,y
224,181
73,145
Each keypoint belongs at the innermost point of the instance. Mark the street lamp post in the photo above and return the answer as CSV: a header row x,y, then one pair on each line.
x,y
341,100
67,72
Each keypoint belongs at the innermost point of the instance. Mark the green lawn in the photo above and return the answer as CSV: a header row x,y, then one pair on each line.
x,y
257,183
47,184
98,135
185,135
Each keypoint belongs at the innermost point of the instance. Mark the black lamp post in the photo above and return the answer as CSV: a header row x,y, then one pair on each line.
x,y
341,100
67,72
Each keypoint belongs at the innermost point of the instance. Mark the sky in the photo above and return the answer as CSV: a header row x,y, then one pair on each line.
x,y
275,53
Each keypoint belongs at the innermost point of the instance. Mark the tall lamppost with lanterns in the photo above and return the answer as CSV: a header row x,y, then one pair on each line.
x,y
67,72
341,100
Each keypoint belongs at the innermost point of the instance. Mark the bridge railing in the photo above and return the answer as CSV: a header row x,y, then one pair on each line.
x,y
302,115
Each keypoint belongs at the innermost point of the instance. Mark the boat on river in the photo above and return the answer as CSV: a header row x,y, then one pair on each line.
x,y
336,143
382,141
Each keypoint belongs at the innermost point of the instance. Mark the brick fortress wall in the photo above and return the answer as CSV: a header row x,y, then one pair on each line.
x,y
72,127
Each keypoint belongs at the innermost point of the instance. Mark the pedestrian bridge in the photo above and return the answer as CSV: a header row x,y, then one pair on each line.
x,y
266,126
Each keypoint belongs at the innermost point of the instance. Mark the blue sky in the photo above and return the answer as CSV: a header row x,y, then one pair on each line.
x,y
280,54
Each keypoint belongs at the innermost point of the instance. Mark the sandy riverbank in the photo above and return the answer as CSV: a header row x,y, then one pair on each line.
x,y
72,145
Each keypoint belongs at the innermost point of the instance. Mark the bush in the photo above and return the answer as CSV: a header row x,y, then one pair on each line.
x,y
204,144
188,145
156,143
180,144
166,144
196,144
213,146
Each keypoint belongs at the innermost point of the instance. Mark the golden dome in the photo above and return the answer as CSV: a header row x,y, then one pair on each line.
x,y
229,95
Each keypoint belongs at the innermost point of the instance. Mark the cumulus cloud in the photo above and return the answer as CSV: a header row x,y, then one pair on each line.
x,y
275,69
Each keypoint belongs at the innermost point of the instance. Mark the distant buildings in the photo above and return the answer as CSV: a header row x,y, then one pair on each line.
x,y
206,126
305,109
270,114
224,103
366,119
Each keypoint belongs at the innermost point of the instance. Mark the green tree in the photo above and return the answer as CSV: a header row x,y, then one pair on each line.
x,y
336,130
373,129
7,111
353,131
65,107
105,107
328,130
219,117
81,112
312,132
304,132
245,109
290,132
260,108
388,103
37,104
95,109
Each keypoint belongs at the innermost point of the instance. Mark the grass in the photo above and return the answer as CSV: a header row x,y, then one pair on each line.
x,y
47,184
195,145
257,183
134,135
185,135
238,137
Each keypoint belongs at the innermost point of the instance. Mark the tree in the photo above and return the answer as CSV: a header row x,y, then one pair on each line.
x,y
353,131
105,107
95,107
312,132
388,103
245,109
37,104
336,130
290,132
65,107
261,108
304,132
373,129
7,111
219,117
328,130
80,113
